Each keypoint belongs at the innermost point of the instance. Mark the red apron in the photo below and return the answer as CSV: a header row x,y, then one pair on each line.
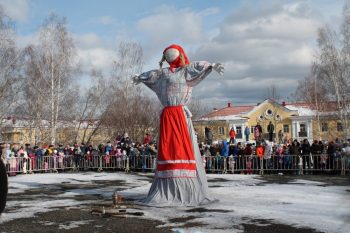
x,y
175,150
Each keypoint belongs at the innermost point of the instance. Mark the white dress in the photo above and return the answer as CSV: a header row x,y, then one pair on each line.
x,y
175,89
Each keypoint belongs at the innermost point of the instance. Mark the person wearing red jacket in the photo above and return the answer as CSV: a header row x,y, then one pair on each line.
x,y
232,136
147,139
260,151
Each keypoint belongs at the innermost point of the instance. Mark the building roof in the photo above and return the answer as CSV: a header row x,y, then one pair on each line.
x,y
23,122
229,110
302,109
323,107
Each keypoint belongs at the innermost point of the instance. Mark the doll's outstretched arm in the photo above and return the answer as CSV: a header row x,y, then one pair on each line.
x,y
197,71
149,78
218,67
136,79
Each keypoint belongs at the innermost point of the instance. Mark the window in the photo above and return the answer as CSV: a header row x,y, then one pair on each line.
x,y
285,128
221,130
324,127
268,114
238,131
339,127
302,132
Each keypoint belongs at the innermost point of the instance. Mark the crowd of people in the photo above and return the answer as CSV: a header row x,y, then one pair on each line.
x,y
118,150
290,154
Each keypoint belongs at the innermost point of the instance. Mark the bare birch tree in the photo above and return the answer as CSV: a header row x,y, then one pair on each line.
x,y
10,67
198,108
273,93
332,66
131,110
312,91
52,66
329,78
92,107
34,98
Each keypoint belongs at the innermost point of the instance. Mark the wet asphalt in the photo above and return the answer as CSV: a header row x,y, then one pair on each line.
x,y
83,218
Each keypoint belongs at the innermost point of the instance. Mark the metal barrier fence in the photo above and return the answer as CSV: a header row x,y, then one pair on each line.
x,y
213,164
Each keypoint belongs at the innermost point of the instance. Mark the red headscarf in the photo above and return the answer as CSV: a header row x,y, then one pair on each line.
x,y
180,61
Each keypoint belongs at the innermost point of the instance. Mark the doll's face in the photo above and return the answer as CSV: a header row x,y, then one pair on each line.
x,y
171,54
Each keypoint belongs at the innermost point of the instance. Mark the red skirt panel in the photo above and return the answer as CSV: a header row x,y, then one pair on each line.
x,y
175,150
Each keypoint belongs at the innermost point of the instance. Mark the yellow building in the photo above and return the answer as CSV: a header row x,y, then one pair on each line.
x,y
293,121
22,131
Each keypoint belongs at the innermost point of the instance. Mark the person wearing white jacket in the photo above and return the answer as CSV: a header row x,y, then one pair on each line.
x,y
267,155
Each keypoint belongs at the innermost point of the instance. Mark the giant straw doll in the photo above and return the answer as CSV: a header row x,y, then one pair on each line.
x,y
180,178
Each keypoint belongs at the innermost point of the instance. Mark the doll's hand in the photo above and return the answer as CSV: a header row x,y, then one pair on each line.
x,y
218,67
136,80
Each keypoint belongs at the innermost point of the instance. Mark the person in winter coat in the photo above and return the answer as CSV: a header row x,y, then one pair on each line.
x,y
108,148
77,155
207,157
209,137
246,133
331,150
305,152
248,149
315,148
224,148
280,136
147,139
270,130
267,155
258,132
259,151
295,148
232,136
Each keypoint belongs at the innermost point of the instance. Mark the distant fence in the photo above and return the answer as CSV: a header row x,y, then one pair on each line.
x,y
213,164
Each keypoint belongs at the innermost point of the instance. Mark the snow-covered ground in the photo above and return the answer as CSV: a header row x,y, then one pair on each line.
x,y
241,198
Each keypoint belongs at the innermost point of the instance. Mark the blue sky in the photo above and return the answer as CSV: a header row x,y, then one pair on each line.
x,y
261,43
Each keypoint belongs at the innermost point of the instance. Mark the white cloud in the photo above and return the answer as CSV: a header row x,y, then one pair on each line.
x,y
88,40
210,11
260,42
16,9
104,20
98,58
168,24
260,46
301,56
94,52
